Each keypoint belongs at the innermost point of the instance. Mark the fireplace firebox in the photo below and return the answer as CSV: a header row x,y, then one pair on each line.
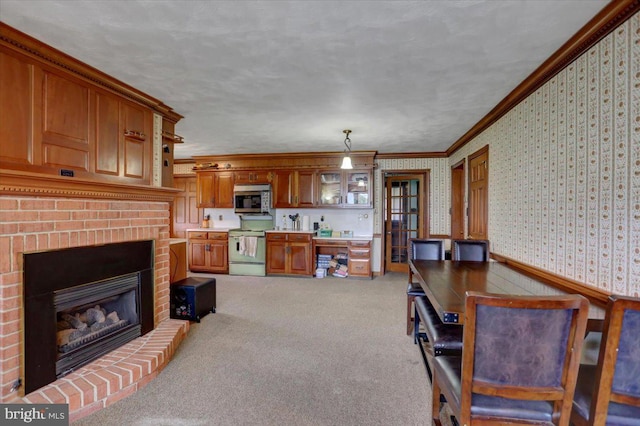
x,y
81,303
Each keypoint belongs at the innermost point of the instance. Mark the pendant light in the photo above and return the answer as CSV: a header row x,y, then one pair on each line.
x,y
346,161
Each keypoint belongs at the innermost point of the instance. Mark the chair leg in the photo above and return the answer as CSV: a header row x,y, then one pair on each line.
x,y
436,406
409,316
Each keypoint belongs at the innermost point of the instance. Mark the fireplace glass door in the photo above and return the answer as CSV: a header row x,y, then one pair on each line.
x,y
95,318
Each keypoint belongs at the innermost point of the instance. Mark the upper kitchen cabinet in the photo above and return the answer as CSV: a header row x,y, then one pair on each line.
x,y
215,189
345,188
293,188
62,117
253,177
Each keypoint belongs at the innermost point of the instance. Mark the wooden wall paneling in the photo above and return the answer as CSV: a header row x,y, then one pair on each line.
x,y
16,105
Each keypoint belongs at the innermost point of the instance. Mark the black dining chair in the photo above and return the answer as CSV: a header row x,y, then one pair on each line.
x,y
470,250
519,361
424,249
609,391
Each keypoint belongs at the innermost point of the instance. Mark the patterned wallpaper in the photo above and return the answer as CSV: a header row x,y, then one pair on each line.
x,y
439,190
564,169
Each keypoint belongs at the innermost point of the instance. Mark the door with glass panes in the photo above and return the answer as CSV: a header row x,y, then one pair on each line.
x,y
405,217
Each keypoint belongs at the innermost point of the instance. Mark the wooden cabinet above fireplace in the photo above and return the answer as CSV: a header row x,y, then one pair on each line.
x,y
61,117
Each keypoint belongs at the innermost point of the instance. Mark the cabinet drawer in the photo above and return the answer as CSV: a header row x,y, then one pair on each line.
x,y
359,244
300,237
198,235
217,235
331,243
276,237
359,267
359,254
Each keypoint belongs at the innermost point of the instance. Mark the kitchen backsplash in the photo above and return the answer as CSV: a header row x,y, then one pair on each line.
x,y
359,221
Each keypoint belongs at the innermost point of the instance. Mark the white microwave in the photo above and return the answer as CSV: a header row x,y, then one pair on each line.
x,y
252,198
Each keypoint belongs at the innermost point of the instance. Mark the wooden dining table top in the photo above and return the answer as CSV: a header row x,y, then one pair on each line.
x,y
446,282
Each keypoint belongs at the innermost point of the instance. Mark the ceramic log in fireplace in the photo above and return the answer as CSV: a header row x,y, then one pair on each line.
x,y
81,303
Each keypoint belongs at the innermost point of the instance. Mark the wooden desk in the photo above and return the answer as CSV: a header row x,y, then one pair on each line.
x,y
446,282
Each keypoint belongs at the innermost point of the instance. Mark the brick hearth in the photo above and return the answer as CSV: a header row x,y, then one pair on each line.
x,y
33,223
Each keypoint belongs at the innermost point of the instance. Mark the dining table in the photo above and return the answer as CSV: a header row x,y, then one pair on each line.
x,y
446,282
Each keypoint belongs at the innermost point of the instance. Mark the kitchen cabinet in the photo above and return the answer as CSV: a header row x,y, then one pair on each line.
x,y
345,188
185,213
294,188
208,251
250,177
358,254
289,253
359,259
215,189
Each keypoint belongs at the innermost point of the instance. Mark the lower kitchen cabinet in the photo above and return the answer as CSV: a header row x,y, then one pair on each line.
x,y
360,259
208,252
289,253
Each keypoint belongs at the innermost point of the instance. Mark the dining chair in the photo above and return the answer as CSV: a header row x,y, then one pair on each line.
x,y
609,391
424,249
519,361
470,250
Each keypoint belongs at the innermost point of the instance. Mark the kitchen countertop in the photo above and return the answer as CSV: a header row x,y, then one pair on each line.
x,y
209,229
354,238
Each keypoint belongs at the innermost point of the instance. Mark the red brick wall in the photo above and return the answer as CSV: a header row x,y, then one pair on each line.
x,y
30,224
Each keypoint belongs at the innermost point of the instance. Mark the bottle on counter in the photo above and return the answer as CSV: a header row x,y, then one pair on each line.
x,y
205,221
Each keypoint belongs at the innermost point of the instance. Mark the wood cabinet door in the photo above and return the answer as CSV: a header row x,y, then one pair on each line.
x,y
306,188
206,189
276,257
197,255
299,258
218,255
223,187
137,140
283,188
108,134
65,123
16,106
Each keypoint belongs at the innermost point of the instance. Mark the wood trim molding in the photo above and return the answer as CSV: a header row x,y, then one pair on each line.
x,y
595,295
405,155
18,41
613,14
34,184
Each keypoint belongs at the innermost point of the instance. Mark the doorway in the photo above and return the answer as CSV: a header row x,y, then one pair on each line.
x,y
457,200
479,194
405,216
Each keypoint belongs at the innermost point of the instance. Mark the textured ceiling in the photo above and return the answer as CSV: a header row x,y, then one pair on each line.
x,y
289,76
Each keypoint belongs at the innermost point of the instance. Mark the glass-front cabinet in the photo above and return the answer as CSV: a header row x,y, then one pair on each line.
x,y
345,188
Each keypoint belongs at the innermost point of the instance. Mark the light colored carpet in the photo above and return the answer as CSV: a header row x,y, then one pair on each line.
x,y
290,351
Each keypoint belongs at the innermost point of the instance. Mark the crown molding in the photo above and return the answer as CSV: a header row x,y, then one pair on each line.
x,y
613,14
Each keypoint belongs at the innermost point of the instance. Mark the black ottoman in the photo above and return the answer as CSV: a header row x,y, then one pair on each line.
x,y
192,298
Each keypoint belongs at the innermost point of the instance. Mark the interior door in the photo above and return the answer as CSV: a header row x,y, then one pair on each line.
x,y
405,217
185,213
457,201
479,194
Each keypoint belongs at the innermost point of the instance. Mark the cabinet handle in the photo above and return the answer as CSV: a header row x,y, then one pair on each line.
x,y
207,247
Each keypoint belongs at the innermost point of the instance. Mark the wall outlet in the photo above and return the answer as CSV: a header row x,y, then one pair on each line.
x,y
220,217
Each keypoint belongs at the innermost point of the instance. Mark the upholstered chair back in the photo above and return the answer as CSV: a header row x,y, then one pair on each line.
x,y
470,250
427,249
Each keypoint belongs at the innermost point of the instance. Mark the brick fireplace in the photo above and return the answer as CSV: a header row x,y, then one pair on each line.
x,y
42,223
